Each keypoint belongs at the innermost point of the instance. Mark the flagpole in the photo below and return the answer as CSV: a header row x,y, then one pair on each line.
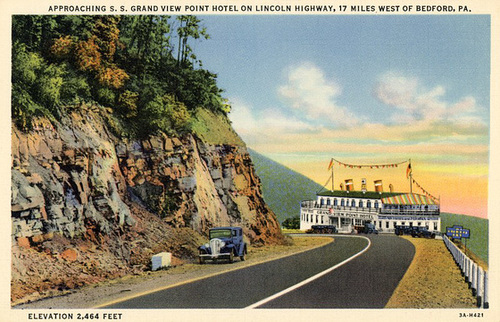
x,y
332,180
411,174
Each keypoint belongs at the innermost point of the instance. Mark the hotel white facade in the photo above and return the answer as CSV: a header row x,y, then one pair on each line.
x,y
346,209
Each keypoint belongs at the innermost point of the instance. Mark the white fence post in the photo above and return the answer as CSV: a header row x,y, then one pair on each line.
x,y
466,270
473,279
486,304
475,276
480,286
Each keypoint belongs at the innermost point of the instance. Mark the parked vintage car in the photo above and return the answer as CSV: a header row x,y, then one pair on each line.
x,y
322,229
422,232
225,243
370,228
403,230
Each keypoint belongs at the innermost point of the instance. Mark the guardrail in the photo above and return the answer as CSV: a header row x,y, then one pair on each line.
x,y
475,276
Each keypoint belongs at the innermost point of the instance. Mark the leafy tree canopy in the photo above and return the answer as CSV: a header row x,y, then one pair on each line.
x,y
291,223
142,67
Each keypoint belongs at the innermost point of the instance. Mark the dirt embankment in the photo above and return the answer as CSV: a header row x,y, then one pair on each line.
x,y
106,291
433,280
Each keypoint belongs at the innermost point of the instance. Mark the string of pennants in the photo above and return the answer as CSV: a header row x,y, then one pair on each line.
x,y
371,166
381,166
425,191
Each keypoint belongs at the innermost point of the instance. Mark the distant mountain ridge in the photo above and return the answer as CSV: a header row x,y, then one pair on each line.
x,y
282,187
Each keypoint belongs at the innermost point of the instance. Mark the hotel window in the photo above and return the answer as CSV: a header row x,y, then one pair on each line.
x,y
316,218
394,224
376,204
353,203
435,226
328,202
322,202
342,203
360,205
368,204
335,202
386,224
321,219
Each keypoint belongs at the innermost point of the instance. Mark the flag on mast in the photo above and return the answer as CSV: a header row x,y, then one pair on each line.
x,y
408,171
330,165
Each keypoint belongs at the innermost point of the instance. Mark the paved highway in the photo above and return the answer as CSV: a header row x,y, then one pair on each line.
x,y
367,281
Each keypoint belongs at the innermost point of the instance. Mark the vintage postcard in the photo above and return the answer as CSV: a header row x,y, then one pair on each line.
x,y
190,160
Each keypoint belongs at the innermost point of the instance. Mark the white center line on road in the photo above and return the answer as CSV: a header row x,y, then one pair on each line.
x,y
312,278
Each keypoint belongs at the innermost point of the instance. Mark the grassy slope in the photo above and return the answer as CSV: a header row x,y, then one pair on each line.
x,y
478,241
214,129
433,280
282,187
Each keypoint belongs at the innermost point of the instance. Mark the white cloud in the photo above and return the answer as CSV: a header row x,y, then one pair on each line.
x,y
397,91
467,105
256,126
424,122
310,93
414,103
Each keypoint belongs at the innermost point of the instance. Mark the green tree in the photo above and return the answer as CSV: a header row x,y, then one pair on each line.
x,y
33,78
34,32
198,88
166,114
146,40
291,223
123,62
189,27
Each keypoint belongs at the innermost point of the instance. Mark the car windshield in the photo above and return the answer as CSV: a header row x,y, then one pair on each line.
x,y
220,233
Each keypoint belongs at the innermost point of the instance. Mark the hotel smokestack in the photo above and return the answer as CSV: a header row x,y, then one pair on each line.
x,y
349,186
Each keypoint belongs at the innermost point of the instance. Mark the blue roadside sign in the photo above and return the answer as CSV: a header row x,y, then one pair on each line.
x,y
457,232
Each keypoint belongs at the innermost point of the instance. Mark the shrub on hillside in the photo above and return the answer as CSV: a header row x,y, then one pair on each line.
x,y
291,223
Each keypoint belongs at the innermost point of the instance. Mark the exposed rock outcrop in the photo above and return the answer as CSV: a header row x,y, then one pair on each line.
x,y
79,194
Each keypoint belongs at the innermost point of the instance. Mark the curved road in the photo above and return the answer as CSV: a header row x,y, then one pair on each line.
x,y
367,281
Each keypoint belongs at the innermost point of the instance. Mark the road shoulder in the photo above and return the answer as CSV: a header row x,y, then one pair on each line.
x,y
132,286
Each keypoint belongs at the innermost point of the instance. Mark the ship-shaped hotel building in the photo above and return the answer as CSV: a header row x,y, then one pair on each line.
x,y
347,208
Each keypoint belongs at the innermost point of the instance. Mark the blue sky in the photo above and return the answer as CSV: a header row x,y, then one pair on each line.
x,y
251,55
365,89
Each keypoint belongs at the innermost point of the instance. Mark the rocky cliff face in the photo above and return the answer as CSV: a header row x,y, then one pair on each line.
x,y
82,196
